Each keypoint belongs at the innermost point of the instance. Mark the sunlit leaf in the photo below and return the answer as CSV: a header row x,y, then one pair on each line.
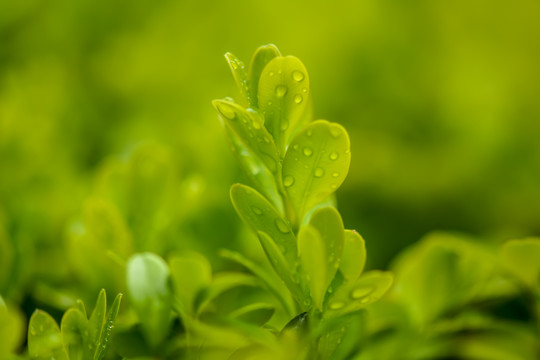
x,y
108,326
260,215
240,76
97,321
354,296
147,281
44,338
11,329
313,256
262,56
249,128
316,164
354,255
283,93
75,331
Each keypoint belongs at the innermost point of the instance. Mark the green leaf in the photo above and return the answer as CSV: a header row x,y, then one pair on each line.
x,y
330,227
260,215
238,70
107,328
353,259
75,330
354,296
44,338
273,283
190,274
313,257
262,56
147,281
283,93
522,258
316,164
97,321
256,313
259,175
249,128
289,276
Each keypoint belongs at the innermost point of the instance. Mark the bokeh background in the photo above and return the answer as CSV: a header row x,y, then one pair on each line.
x,y
107,131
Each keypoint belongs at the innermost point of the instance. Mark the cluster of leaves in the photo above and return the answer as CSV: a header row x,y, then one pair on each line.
x,y
311,299
295,165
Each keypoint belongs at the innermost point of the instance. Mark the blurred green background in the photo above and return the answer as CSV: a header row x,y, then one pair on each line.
x,y
105,118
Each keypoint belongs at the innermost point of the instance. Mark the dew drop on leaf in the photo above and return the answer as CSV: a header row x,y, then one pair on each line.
x,y
296,146
334,155
298,99
281,90
298,76
309,133
281,226
335,174
335,130
361,292
227,111
337,305
284,125
319,172
271,73
308,151
256,210
288,181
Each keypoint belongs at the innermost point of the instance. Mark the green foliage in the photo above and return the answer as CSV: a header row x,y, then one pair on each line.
x,y
302,236
78,338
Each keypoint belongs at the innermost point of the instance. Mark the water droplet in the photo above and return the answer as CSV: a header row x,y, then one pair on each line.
x,y
288,181
256,210
304,90
266,139
335,174
284,125
256,125
336,305
269,103
298,76
319,172
309,133
361,292
279,71
298,98
334,156
307,302
281,90
282,226
335,130
330,290
234,65
32,330
296,146
227,111
333,186
271,73
308,151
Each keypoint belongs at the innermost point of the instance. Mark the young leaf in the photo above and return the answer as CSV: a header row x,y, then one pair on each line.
x,y
282,268
261,57
75,332
190,274
283,93
330,227
97,321
353,259
148,287
313,257
351,297
260,215
11,330
259,175
106,332
249,128
240,76
316,164
44,338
